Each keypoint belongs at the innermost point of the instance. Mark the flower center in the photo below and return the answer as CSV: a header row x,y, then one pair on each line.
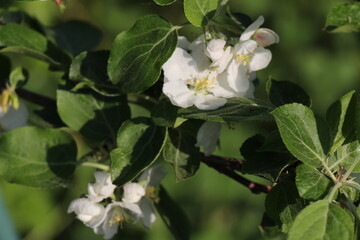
x,y
118,216
243,59
201,84
151,193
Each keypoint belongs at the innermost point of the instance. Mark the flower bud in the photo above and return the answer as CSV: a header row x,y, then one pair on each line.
x,y
265,37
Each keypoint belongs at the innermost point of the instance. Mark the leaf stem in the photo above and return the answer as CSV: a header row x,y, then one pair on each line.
x,y
95,165
328,170
333,191
352,184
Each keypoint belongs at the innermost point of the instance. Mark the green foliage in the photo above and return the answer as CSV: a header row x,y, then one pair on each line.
x,y
139,143
46,157
76,36
348,156
164,114
200,12
311,183
284,92
137,55
283,203
235,110
298,130
164,2
95,116
180,151
173,216
18,77
344,18
322,220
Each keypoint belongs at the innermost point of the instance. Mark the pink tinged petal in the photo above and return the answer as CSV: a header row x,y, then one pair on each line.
x,y
178,93
250,30
260,60
153,176
180,65
208,102
266,37
133,192
183,43
208,136
148,213
215,49
14,118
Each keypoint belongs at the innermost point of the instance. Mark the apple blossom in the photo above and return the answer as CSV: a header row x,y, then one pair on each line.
x,y
102,188
87,211
208,136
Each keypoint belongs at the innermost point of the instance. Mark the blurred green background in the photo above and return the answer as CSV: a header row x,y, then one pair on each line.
x,y
325,65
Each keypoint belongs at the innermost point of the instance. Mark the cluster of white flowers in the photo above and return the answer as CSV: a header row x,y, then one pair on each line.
x,y
206,74
134,205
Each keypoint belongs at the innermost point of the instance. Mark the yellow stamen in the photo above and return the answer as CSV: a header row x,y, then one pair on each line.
x,y
243,59
151,193
201,85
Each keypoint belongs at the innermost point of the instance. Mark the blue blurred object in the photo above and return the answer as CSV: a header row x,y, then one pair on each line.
x,y
7,231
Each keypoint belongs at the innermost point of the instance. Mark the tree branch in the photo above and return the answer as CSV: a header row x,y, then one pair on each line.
x,y
36,98
227,166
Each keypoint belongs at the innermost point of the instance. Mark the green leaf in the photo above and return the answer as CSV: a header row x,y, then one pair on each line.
x,y
266,163
173,216
37,157
180,151
18,77
164,114
344,18
348,156
200,12
164,2
139,143
283,203
95,116
311,183
340,117
235,110
322,221
76,36
284,92
89,68
137,55
297,126
270,230
17,35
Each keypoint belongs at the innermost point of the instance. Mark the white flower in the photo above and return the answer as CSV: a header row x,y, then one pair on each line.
x,y
186,85
138,192
208,136
14,118
87,211
102,188
263,36
219,55
133,192
115,214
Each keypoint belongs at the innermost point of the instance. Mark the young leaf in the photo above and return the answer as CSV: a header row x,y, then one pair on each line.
x,y
37,157
18,77
298,130
322,221
344,18
95,116
266,163
89,68
284,92
283,203
173,216
76,36
311,183
137,55
164,114
348,156
200,12
180,151
235,110
340,117
164,2
139,143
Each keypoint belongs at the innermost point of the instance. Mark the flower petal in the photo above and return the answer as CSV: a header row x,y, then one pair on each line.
x,y
153,176
260,60
215,49
197,48
208,102
178,93
250,30
15,118
183,43
266,37
208,136
133,192
148,213
237,77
